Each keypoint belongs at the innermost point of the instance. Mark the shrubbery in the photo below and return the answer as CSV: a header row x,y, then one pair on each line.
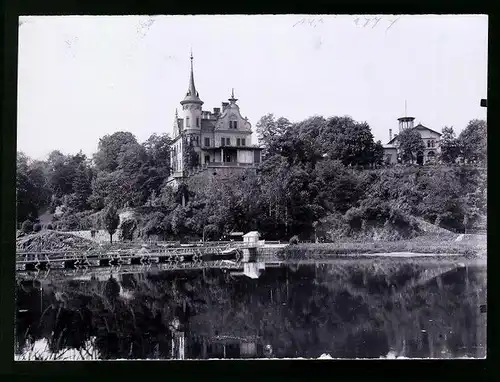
x,y
80,221
27,226
318,169
127,229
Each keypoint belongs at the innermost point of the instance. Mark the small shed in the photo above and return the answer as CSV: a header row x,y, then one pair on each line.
x,y
251,237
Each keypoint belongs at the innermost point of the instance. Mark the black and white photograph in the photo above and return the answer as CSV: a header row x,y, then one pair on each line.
x,y
241,187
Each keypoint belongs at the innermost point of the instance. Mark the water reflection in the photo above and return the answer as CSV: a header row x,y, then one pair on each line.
x,y
366,309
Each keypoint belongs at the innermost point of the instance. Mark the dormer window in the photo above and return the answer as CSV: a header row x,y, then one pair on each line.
x,y
233,124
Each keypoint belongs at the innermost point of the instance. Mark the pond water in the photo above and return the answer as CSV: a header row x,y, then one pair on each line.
x,y
363,309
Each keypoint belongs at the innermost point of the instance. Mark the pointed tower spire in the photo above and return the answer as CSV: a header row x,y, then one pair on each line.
x,y
192,95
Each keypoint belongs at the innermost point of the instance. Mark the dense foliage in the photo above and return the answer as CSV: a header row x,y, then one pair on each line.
x,y
319,169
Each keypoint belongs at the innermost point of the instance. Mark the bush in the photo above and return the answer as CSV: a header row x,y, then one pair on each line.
x,y
27,226
127,229
37,227
294,240
77,221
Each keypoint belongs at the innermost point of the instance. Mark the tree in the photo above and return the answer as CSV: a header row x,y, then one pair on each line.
x,y
450,147
62,171
378,154
338,189
111,221
109,148
158,149
158,169
350,142
299,144
82,187
27,226
473,141
269,130
111,188
178,219
410,144
127,229
32,190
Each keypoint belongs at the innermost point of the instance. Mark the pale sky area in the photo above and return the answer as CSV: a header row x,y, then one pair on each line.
x,y
82,77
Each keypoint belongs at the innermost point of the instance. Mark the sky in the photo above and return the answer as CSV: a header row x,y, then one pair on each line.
x,y
82,77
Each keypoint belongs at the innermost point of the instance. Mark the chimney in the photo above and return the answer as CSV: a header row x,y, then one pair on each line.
x,y
390,135
216,110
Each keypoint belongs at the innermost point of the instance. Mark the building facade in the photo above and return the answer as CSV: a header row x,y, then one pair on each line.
x,y
431,138
214,142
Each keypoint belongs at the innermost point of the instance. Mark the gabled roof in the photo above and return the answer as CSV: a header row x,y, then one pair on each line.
x,y
422,127
252,234
418,127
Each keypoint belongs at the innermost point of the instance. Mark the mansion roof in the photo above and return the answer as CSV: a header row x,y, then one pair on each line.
x,y
418,127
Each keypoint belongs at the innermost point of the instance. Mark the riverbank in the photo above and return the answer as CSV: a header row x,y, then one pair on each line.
x,y
468,246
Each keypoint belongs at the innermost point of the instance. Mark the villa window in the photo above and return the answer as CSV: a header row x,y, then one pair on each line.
x,y
228,141
243,142
237,141
428,143
197,121
207,142
207,159
187,122
233,124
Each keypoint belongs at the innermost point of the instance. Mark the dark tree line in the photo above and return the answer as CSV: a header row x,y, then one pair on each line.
x,y
311,170
122,172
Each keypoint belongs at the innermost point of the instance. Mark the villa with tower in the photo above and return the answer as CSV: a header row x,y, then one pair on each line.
x,y
214,143
430,137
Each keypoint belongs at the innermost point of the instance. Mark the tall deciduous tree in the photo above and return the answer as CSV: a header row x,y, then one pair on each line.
x,y
269,130
450,148
473,141
411,144
82,187
109,148
111,221
32,190
349,141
